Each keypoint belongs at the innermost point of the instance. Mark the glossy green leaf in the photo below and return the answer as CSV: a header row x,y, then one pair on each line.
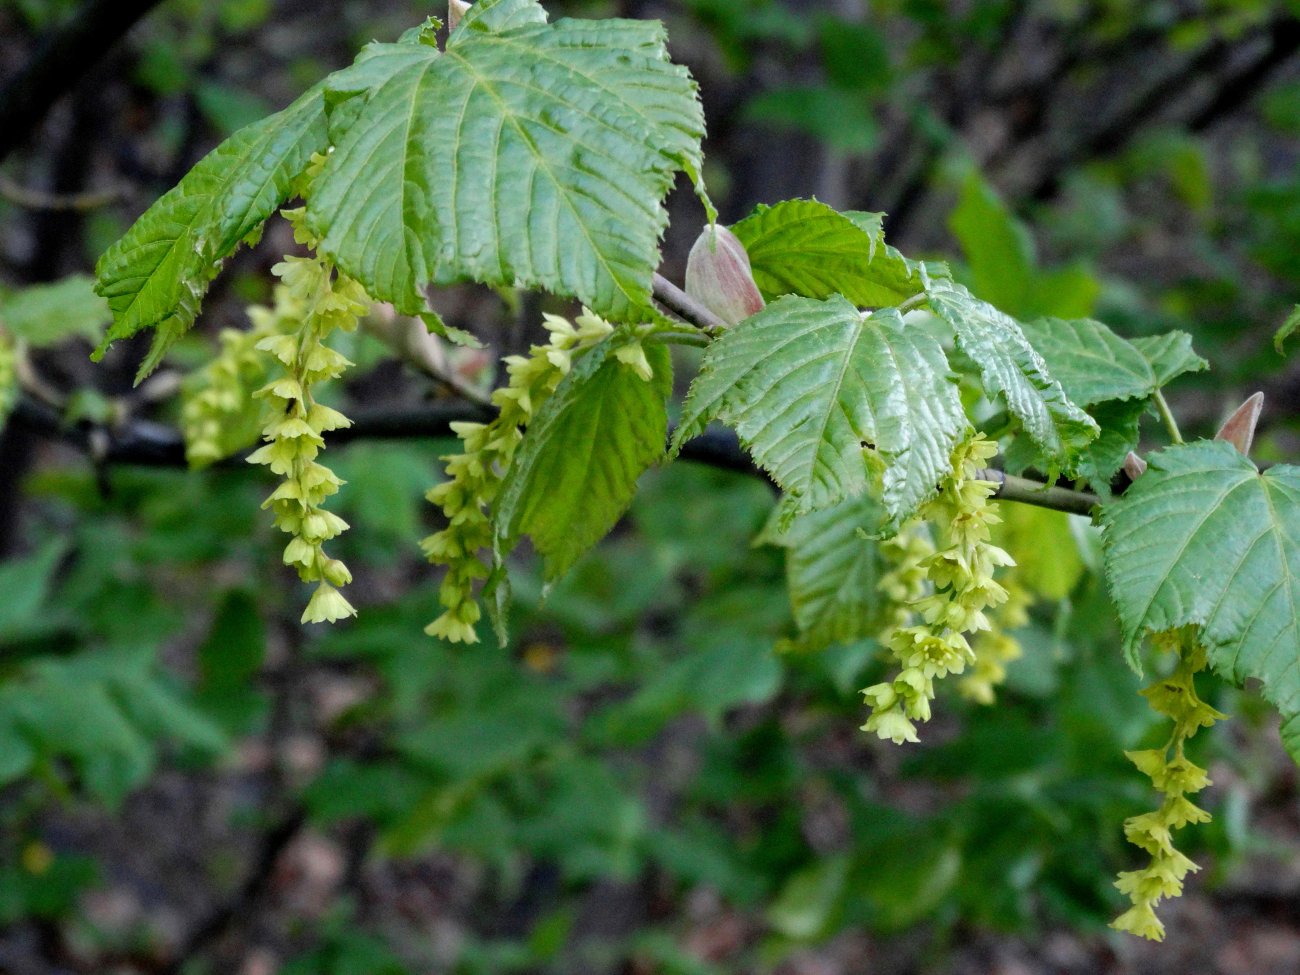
x,y
1011,368
832,570
532,155
819,392
576,471
157,274
1203,538
1120,422
803,247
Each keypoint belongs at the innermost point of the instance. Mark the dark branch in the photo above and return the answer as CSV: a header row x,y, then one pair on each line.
x,y
59,62
145,443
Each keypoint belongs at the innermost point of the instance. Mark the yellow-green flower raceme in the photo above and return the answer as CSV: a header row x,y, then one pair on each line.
x,y
312,302
960,569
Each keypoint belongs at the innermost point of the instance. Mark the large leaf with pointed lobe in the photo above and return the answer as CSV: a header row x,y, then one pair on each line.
x,y
1011,368
499,15
803,247
815,388
576,471
1113,377
528,154
832,570
157,274
1170,354
1203,538
1093,364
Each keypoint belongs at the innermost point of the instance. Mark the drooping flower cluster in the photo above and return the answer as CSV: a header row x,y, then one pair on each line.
x,y
474,475
906,580
997,647
1177,777
8,375
961,571
312,301
216,399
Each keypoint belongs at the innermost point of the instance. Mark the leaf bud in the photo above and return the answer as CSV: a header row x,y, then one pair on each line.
x,y
718,276
1134,466
1239,429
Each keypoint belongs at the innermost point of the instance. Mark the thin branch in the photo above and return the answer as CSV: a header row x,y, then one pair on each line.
x,y
59,62
684,306
410,340
148,444
1025,491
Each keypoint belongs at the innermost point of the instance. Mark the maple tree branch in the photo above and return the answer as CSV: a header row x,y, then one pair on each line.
x,y
145,443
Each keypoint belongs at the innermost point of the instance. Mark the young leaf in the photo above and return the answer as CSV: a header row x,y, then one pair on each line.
x,y
1203,538
576,471
832,569
157,274
814,388
803,247
1011,367
527,154
500,15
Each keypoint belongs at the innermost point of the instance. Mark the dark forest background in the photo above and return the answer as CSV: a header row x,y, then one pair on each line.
x,y
191,782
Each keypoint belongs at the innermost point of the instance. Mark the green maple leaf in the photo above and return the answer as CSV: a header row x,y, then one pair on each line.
x,y
817,391
157,274
1203,538
527,154
576,470
807,248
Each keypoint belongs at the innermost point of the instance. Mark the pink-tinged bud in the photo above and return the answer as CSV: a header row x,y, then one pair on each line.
x,y
1239,429
1134,466
719,277
455,10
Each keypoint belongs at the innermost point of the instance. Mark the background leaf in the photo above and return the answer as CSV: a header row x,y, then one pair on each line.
x,y
45,314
